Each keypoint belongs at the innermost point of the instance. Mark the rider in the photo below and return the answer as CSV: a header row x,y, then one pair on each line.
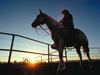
x,y
67,22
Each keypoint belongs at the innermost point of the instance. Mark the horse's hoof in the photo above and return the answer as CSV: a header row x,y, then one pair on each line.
x,y
91,66
59,72
81,65
91,61
64,68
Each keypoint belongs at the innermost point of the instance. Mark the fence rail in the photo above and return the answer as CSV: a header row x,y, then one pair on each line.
x,y
51,54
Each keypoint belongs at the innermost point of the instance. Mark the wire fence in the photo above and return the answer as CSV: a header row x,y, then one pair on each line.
x,y
17,48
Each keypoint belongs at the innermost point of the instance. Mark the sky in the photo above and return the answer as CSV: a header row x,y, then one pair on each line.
x,y
16,17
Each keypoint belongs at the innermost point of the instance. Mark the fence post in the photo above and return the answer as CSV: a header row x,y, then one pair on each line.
x,y
48,54
51,57
41,59
66,54
13,36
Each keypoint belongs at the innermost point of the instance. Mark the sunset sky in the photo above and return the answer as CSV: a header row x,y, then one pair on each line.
x,y
16,17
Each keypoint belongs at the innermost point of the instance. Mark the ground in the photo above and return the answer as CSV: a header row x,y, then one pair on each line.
x,y
72,68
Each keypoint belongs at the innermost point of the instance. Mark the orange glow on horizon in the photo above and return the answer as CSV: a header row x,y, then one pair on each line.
x,y
32,61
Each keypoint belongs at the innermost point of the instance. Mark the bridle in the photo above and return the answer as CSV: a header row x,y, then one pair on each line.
x,y
46,28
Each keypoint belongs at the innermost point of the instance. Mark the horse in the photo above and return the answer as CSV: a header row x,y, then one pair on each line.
x,y
61,37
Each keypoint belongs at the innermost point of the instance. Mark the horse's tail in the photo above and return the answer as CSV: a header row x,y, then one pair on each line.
x,y
84,42
85,46
84,52
85,49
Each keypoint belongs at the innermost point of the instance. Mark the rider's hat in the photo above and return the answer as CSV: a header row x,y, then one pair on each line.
x,y
65,11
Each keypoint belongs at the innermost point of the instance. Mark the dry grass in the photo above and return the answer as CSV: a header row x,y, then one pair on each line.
x,y
72,68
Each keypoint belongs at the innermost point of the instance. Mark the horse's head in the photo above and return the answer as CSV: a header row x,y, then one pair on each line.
x,y
39,20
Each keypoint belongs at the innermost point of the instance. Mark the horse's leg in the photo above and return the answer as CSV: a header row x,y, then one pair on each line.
x,y
88,55
60,49
79,53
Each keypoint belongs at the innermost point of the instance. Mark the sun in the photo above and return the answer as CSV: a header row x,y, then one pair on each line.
x,y
32,61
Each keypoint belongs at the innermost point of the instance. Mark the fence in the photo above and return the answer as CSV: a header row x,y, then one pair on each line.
x,y
48,54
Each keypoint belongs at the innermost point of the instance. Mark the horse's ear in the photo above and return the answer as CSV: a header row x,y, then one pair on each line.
x,y
40,11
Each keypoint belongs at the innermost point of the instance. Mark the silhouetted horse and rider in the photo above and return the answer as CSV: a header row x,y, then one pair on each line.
x,y
64,35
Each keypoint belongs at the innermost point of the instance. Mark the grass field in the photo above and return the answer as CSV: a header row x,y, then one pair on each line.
x,y
72,68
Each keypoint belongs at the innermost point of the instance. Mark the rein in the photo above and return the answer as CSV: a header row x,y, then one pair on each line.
x,y
42,29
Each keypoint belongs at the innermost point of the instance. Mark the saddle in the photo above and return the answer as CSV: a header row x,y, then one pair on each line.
x,y
73,37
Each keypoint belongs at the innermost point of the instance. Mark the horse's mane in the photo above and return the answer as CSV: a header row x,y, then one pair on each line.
x,y
50,18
